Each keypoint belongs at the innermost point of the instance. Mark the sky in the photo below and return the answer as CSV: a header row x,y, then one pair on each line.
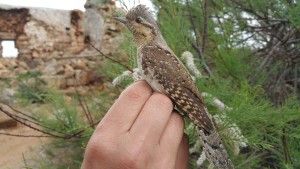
x,y
57,4
9,49
66,4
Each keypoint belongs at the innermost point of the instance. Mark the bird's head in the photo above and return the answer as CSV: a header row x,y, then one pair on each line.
x,y
141,23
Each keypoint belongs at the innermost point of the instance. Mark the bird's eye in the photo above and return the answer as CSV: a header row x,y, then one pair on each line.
x,y
138,20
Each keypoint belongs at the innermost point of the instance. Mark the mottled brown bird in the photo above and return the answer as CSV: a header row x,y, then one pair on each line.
x,y
165,73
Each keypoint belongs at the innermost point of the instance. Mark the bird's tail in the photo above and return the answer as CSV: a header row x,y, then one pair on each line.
x,y
214,150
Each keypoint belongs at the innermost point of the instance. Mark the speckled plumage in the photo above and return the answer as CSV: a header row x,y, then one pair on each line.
x,y
160,65
165,73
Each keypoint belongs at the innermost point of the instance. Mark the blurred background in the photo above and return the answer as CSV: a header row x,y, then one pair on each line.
x,y
62,65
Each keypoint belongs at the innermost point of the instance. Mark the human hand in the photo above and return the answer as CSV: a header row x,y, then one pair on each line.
x,y
140,131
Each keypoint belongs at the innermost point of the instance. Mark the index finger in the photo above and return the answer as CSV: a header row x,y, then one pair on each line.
x,y
125,110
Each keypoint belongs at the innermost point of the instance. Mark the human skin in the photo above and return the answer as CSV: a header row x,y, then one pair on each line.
x,y
140,131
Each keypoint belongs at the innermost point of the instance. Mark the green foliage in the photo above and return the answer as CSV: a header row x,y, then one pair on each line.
x,y
272,132
173,25
32,88
293,15
129,48
63,121
65,115
112,70
66,118
263,125
231,61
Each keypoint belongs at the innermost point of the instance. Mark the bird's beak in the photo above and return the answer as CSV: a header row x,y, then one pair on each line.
x,y
123,20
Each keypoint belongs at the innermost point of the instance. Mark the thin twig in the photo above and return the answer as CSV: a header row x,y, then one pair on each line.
x,y
196,44
48,134
86,112
282,76
111,59
28,125
24,114
75,57
296,77
19,135
226,66
207,69
76,134
24,160
286,151
204,28
193,23
272,52
249,10
37,122
66,57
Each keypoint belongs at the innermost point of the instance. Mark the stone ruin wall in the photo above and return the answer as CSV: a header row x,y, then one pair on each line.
x,y
53,42
46,38
39,32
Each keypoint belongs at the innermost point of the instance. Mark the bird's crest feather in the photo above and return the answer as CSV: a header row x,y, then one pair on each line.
x,y
141,11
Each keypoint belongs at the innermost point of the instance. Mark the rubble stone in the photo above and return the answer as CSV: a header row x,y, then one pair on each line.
x,y
1,49
69,71
49,41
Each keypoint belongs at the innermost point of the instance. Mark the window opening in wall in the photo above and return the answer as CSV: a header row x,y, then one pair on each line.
x,y
8,49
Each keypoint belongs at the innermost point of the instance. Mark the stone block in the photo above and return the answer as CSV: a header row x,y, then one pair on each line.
x,y
69,71
7,35
81,77
59,81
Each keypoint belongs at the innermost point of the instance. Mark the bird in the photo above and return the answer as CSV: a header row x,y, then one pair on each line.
x,y
165,73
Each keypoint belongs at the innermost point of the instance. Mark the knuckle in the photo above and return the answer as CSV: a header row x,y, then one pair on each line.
x,y
132,157
96,148
163,100
130,163
133,94
101,142
102,129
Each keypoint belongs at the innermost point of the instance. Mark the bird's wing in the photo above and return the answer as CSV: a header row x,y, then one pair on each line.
x,y
174,78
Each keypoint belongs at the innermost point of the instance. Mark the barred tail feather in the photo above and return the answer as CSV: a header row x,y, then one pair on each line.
x,y
214,150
